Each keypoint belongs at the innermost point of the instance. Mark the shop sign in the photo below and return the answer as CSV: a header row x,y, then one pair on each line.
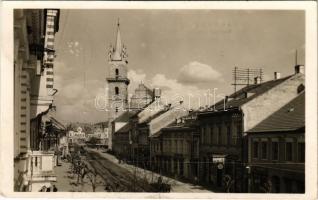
x,y
220,166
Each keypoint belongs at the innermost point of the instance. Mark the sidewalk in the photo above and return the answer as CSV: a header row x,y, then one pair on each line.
x,y
66,182
176,186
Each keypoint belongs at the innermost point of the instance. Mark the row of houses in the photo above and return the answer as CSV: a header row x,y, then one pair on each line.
x,y
36,131
251,141
99,136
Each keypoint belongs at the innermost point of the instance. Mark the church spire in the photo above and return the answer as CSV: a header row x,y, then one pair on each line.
x,y
118,48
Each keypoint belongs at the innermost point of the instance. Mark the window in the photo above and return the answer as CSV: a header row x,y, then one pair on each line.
x,y
219,135
255,149
289,151
116,109
175,146
238,133
301,152
264,150
202,135
116,72
207,134
274,150
181,147
228,129
211,135
116,90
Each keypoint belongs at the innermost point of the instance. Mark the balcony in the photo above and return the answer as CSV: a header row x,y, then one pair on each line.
x,y
41,168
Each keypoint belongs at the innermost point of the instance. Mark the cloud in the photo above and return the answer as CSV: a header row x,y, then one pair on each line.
x,y
196,72
172,91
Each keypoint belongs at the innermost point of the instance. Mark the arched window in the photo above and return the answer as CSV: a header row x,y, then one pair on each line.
x,y
117,72
116,90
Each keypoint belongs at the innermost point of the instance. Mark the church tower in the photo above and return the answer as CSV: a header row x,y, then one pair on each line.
x,y
117,78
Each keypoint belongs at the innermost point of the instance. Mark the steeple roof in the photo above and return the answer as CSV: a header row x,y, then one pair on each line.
x,y
117,55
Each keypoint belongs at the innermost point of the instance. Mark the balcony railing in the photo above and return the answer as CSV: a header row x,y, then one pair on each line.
x,y
41,166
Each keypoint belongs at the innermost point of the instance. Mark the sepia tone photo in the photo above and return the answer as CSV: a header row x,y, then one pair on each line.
x,y
159,101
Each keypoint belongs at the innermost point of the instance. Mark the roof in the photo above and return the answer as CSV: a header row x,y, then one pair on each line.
x,y
187,122
150,110
57,124
154,116
124,117
290,117
246,94
124,129
155,135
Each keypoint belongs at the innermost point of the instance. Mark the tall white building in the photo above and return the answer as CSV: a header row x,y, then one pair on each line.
x,y
117,81
34,33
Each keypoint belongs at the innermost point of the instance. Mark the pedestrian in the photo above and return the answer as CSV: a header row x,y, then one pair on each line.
x,y
160,180
54,188
43,189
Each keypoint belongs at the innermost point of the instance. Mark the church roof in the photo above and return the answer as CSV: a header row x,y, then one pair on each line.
x,y
117,55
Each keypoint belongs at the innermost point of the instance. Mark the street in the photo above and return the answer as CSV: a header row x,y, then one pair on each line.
x,y
123,175
117,179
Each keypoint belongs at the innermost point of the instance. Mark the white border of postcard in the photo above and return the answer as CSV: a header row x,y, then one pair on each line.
x,y
6,92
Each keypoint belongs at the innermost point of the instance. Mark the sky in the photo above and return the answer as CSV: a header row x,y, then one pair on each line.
x,y
186,53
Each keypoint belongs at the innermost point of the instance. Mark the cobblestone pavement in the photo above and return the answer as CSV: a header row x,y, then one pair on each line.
x,y
177,186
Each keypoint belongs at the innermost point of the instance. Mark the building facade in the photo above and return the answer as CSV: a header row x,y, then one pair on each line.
x,y
143,96
76,137
223,128
34,33
174,150
276,156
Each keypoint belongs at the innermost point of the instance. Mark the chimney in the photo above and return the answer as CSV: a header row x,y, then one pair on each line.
x,y
157,93
276,75
257,80
299,69
226,99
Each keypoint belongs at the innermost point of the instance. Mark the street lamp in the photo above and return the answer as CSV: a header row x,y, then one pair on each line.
x,y
248,168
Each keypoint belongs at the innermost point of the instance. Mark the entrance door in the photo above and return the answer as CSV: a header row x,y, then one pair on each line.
x,y
219,175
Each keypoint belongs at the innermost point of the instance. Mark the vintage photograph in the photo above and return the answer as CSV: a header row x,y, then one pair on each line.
x,y
159,100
